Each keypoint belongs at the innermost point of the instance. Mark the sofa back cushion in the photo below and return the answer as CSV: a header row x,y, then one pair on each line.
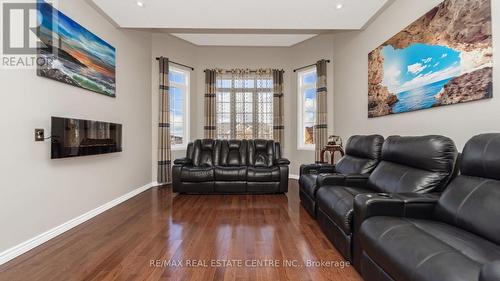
x,y
232,153
414,164
203,152
472,200
362,154
261,153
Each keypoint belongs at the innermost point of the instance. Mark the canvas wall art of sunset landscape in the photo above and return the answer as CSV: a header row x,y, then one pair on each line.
x,y
73,55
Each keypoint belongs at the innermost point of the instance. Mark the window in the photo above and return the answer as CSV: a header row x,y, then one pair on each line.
x,y
306,108
179,107
244,106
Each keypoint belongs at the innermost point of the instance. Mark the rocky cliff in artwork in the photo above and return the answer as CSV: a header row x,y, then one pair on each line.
x,y
462,25
467,87
380,99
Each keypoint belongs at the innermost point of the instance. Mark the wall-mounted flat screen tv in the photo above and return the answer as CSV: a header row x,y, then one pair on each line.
x,y
76,137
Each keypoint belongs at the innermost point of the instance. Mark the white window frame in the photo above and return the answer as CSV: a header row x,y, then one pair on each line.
x,y
186,115
301,88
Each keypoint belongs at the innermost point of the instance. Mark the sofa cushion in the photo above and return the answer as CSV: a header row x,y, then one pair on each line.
x,y
204,152
414,164
197,174
472,203
471,200
232,153
362,154
338,203
230,173
411,249
261,153
260,174
481,157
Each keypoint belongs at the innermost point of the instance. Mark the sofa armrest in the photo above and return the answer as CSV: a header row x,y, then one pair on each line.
x,y
352,180
490,272
356,180
316,168
176,178
282,161
183,161
412,205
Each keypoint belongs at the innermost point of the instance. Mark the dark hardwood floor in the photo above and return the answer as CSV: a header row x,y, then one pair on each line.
x,y
211,237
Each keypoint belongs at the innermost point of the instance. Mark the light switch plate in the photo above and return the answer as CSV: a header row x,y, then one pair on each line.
x,y
39,134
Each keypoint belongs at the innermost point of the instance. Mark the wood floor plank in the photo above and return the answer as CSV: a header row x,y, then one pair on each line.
x,y
191,237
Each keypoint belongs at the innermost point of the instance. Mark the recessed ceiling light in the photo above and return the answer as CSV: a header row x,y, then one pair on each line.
x,y
140,4
339,6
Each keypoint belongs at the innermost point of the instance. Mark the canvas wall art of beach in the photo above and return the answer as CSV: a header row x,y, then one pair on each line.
x,y
444,57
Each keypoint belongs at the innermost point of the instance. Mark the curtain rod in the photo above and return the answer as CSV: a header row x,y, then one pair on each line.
x,y
295,70
187,66
252,71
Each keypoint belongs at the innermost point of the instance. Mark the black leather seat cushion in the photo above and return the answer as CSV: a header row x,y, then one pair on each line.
x,y
231,173
338,203
261,174
197,174
411,249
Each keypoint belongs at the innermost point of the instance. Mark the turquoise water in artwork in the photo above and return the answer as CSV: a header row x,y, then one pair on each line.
x,y
419,98
417,73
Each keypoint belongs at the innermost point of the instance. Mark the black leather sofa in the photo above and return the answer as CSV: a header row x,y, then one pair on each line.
x,y
362,154
454,237
408,164
231,166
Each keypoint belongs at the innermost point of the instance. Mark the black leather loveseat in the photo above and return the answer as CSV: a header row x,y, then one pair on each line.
x,y
362,154
452,237
231,166
408,164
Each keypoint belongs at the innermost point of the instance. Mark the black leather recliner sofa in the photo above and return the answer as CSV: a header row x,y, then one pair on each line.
x,y
362,154
231,166
408,164
454,237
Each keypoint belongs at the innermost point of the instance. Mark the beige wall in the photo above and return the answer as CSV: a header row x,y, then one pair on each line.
x,y
459,122
286,58
38,194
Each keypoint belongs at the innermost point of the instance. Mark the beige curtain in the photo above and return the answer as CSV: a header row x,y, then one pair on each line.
x,y
164,146
278,109
210,128
321,127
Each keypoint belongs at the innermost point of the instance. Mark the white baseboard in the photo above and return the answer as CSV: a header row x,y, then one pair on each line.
x,y
292,176
25,246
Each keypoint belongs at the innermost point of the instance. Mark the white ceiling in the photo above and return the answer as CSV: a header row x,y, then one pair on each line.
x,y
278,40
287,19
